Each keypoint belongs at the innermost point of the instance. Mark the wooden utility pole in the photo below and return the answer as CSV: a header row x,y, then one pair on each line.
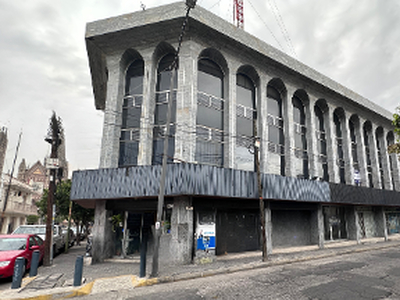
x,y
9,184
260,190
54,139
160,207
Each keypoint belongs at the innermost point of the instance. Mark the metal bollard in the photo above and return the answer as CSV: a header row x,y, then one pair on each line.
x,y
34,263
78,271
18,270
143,250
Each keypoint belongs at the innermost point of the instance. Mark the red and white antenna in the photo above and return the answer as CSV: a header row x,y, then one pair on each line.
x,y
238,18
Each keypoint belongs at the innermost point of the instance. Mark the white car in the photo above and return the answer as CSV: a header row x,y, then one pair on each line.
x,y
40,230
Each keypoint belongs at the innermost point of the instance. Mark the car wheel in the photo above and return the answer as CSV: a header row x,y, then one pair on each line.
x,y
54,250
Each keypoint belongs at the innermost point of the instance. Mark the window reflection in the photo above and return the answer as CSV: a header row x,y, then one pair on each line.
x,y
163,97
300,140
276,140
210,114
131,112
245,112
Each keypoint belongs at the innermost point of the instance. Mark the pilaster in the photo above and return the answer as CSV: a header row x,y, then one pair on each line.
x,y
331,147
112,115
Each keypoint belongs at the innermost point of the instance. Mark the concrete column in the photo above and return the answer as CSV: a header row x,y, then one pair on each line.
x,y
385,162
347,156
362,161
147,114
290,158
268,226
332,147
182,230
380,222
230,110
262,122
4,227
185,138
312,148
317,227
102,234
109,153
376,178
353,227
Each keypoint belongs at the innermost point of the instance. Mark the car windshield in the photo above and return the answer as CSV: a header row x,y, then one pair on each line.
x,y
7,244
30,230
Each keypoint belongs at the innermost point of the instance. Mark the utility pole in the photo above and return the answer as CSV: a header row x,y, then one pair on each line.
x,y
160,207
54,139
10,182
260,190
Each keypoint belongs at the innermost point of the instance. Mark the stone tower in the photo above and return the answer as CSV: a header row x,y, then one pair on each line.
x,y
3,146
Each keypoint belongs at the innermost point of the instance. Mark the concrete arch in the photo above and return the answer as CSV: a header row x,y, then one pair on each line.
x,y
161,50
128,58
279,85
302,96
390,138
215,56
251,73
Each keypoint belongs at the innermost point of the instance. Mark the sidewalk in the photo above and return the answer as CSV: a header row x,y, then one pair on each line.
x,y
55,282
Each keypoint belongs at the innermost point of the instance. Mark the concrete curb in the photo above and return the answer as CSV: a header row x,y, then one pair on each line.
x,y
131,281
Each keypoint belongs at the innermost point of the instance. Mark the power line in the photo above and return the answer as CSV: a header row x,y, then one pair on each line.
x,y
265,24
279,20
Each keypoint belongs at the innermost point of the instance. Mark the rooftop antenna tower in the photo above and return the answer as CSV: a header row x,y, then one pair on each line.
x,y
238,17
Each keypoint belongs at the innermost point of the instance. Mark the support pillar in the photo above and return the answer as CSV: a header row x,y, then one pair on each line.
x,y
182,231
380,222
102,233
353,227
317,227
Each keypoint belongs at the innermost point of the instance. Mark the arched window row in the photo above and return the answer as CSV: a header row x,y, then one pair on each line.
x,y
211,120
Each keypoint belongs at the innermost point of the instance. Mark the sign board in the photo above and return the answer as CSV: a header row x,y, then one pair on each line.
x,y
357,177
52,163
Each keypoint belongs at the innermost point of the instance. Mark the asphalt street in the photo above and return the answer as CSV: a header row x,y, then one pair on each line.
x,y
366,275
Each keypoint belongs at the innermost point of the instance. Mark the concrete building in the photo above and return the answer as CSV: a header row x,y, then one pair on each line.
x,y
325,170
20,203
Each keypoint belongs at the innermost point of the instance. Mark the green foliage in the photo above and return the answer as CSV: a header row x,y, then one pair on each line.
x,y
32,219
395,148
61,200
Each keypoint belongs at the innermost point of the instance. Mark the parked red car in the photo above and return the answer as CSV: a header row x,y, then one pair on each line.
x,y
18,245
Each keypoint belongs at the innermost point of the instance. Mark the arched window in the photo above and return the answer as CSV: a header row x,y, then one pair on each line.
x,y
131,112
354,149
276,139
321,141
366,132
163,97
390,141
339,145
210,114
245,112
379,142
300,140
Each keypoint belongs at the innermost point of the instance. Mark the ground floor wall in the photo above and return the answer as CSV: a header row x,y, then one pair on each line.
x,y
196,227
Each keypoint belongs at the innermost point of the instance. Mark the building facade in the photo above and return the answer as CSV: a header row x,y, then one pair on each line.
x,y
20,203
325,170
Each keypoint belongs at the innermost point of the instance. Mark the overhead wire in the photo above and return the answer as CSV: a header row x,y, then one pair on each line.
x,y
266,25
281,24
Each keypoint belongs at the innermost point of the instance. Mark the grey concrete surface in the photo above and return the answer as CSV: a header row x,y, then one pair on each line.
x,y
119,277
357,276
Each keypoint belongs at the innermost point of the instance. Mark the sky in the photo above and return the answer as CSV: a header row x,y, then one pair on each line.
x,y
44,64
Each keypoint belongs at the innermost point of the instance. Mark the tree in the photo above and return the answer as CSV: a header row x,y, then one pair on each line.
x,y
395,148
32,219
79,214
